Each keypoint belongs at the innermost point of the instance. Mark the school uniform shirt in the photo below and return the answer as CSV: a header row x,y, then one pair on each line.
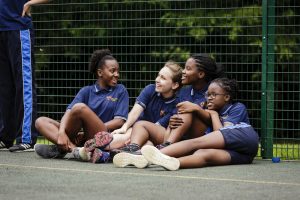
x,y
156,109
195,96
106,103
232,114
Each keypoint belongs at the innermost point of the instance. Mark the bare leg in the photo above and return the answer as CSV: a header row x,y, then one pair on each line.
x,y
198,128
81,116
177,133
212,140
205,157
192,125
48,128
119,140
143,131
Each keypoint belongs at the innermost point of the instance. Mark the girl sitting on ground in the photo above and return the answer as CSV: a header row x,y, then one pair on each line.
x,y
232,141
153,109
99,107
190,118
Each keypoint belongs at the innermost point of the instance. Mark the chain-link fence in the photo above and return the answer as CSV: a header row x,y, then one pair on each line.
x,y
257,42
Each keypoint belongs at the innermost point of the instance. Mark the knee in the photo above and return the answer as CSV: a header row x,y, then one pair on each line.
x,y
139,124
204,154
187,119
79,108
39,122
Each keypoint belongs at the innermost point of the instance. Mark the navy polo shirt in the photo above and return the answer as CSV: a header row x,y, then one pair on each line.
x,y
106,103
195,96
232,114
156,109
11,16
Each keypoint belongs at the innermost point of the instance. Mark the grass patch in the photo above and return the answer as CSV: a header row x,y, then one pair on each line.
x,y
42,140
284,151
288,151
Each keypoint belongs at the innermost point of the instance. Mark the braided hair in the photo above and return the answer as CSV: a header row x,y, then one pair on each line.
x,y
230,87
207,64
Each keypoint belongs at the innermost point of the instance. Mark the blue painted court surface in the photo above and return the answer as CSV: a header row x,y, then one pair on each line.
x,y
27,176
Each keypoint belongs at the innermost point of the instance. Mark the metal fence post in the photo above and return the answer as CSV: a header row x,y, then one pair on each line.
x,y
267,100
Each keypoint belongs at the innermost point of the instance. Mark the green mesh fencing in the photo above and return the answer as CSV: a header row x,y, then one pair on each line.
x,y
257,42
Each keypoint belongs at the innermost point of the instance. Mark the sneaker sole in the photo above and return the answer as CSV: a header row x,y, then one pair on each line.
x,y
84,155
26,150
96,156
154,156
100,140
124,159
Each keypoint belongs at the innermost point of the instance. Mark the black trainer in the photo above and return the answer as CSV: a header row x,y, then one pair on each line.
x,y
48,151
4,145
21,147
161,146
131,148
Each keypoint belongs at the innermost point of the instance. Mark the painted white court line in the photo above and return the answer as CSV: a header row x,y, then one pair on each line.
x,y
154,175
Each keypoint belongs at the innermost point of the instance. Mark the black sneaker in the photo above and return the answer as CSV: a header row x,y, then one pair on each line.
x,y
48,151
4,145
21,147
161,146
131,148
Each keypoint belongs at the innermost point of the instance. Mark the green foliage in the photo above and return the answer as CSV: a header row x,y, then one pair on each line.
x,y
143,35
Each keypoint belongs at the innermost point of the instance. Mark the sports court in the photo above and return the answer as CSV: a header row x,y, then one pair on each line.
x,y
257,42
27,176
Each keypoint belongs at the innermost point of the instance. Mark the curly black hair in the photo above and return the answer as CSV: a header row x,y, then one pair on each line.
x,y
98,59
229,85
207,64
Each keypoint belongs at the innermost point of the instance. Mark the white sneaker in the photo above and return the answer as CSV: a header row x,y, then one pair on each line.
x,y
154,156
81,154
124,159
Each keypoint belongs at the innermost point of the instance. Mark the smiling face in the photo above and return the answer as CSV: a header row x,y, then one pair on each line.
x,y
191,73
109,74
164,83
217,97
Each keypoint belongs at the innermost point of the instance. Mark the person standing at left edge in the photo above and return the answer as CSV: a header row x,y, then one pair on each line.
x,y
18,102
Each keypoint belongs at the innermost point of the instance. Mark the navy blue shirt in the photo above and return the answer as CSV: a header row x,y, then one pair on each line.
x,y
232,114
156,109
195,96
106,103
11,16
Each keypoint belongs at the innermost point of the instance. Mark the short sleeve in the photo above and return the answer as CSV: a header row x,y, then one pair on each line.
x,y
81,97
164,121
123,104
146,95
238,113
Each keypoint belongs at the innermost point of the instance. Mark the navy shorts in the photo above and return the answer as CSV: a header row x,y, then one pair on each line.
x,y
241,142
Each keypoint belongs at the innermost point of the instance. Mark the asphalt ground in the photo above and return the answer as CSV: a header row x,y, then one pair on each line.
x,y
27,176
